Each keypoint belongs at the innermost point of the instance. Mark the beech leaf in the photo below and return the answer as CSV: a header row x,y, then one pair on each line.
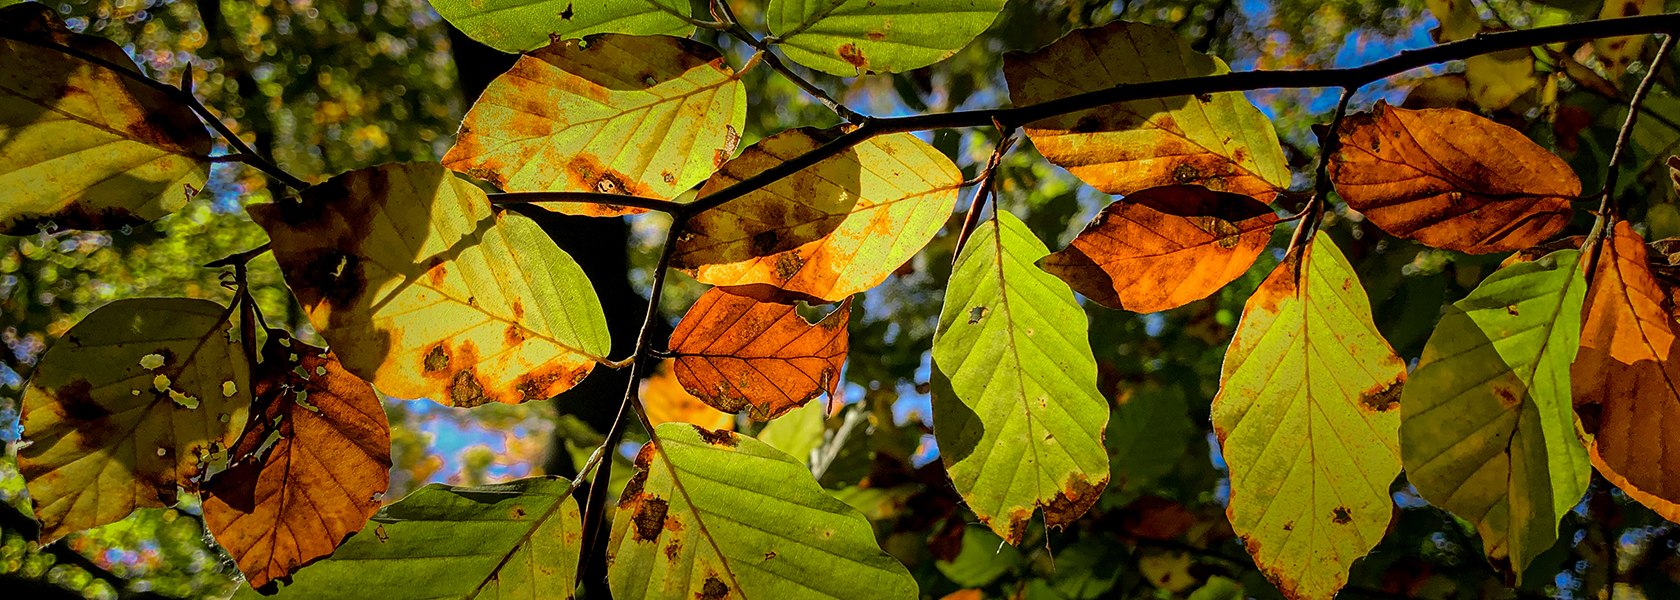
x,y
1451,179
1486,428
642,116
665,401
737,353
423,291
1219,141
1615,53
1016,409
520,25
278,509
1164,247
853,37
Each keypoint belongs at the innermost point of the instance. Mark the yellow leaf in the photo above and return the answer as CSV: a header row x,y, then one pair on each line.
x,y
667,402
1615,53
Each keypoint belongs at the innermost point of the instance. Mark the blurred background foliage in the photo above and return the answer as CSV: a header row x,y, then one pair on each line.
x,y
325,87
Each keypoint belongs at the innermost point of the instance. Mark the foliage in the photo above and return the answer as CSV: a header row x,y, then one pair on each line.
x,y
971,373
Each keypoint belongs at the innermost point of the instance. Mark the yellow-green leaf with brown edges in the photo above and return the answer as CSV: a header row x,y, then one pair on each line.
x,y
1308,423
643,116
425,292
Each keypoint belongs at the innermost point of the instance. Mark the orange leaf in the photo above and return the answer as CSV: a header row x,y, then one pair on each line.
x,y
1164,247
1627,376
1451,179
278,509
735,352
667,402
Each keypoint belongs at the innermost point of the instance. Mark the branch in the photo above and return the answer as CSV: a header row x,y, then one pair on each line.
x,y
1606,206
600,198
1351,77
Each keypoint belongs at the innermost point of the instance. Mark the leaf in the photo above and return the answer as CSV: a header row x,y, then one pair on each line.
x,y
714,514
852,37
1164,247
1307,423
665,401
737,353
1626,377
1615,53
1495,80
512,540
425,293
128,406
1016,409
1219,141
290,500
829,231
798,432
1451,179
1486,430
520,25
82,146
643,116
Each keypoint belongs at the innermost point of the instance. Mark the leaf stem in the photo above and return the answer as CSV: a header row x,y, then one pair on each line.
x,y
726,16
984,190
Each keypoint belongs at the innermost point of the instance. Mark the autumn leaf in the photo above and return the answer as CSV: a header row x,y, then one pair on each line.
x,y
737,353
642,116
128,406
715,514
1626,377
1615,53
826,232
1219,141
85,146
1496,79
423,291
520,25
1307,420
1016,409
665,401
288,501
1164,247
518,539
1486,428
853,37
1451,179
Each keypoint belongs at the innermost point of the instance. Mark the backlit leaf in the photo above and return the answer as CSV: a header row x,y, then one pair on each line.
x,y
1496,79
512,540
423,291
1627,376
665,401
1016,409
86,147
1486,428
520,25
128,406
1219,141
715,515
1451,179
1307,421
737,354
853,37
643,116
1164,247
798,432
285,504
1616,52
829,231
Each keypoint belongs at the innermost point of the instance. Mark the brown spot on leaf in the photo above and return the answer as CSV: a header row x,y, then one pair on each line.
x,y
673,549
1186,173
650,518
853,56
1018,519
717,438
513,335
1383,400
1511,310
1341,515
1076,497
770,555
1508,397
465,391
788,265
876,36
713,589
437,359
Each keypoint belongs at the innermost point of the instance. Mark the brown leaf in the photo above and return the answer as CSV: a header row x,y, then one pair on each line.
x,y
665,401
1626,377
1164,247
309,468
1451,179
737,353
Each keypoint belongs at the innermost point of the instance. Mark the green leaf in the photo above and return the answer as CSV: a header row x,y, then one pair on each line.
x,y
798,432
1307,423
425,292
1148,433
1016,409
982,559
127,406
1488,430
713,514
513,540
853,37
84,146
520,25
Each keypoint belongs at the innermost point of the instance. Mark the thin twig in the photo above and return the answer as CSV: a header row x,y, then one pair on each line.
x,y
983,190
239,258
1354,77
1313,213
598,198
725,15
1607,208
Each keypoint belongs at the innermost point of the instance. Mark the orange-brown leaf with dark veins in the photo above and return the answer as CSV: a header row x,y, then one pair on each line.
x,y
1164,247
1451,179
279,508
737,353
1626,377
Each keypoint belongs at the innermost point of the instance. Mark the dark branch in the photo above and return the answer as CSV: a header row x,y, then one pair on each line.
x,y
599,198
